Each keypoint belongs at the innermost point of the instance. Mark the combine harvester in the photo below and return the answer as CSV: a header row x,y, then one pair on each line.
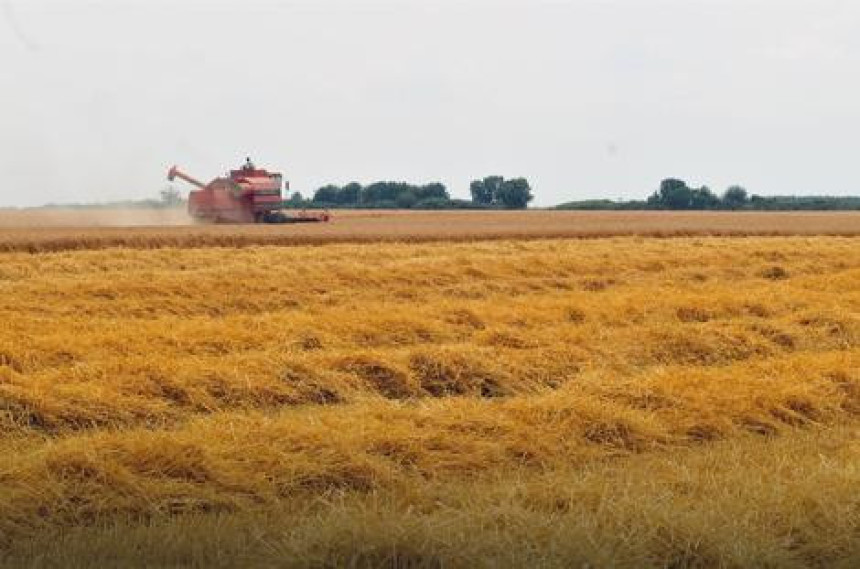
x,y
247,195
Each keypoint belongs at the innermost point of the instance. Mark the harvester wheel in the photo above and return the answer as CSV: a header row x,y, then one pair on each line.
x,y
274,217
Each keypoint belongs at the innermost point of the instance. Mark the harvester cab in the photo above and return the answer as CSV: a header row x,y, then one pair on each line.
x,y
246,195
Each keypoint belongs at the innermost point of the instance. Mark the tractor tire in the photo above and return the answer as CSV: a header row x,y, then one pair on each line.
x,y
275,217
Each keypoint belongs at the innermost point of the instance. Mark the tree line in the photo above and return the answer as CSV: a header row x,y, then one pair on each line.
x,y
492,192
496,192
675,194
383,195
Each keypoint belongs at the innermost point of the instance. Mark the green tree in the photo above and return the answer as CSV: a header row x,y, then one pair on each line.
x,y
379,192
327,195
673,194
349,194
735,197
704,198
296,199
434,191
406,199
479,192
486,191
514,194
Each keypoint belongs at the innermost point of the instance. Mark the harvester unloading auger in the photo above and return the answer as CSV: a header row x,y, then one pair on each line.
x,y
247,195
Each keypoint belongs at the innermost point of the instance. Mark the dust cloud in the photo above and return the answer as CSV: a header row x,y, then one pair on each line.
x,y
94,217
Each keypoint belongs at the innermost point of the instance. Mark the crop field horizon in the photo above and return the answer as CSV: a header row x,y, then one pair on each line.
x,y
39,231
626,401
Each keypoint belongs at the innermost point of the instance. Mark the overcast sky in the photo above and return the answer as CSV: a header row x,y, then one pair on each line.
x,y
585,98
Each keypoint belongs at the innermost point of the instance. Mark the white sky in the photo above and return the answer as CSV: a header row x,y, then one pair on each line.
x,y
586,98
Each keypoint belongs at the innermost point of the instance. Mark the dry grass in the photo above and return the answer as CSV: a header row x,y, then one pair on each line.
x,y
743,503
360,385
44,231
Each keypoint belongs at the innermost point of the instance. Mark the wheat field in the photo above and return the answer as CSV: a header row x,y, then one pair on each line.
x,y
39,231
628,401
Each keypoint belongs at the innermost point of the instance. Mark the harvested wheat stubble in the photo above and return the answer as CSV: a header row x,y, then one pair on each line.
x,y
763,503
137,386
53,231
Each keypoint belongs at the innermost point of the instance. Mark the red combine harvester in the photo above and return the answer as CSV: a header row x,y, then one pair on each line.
x,y
247,195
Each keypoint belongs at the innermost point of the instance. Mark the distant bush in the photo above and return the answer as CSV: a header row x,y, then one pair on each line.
x,y
435,203
603,205
805,203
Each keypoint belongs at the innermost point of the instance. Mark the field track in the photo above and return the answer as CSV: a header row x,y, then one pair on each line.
x,y
46,231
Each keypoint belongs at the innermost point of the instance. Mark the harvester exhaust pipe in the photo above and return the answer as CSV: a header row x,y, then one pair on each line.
x,y
175,172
